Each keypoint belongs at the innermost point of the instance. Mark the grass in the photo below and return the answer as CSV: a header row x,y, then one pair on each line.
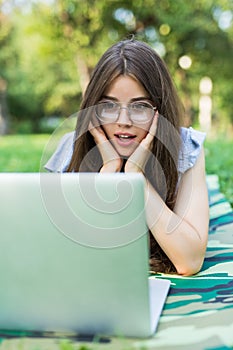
x,y
219,160
26,153
21,153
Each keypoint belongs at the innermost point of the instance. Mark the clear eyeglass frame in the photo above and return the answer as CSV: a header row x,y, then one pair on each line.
x,y
139,112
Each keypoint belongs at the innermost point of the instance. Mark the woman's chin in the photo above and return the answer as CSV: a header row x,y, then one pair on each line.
x,y
125,152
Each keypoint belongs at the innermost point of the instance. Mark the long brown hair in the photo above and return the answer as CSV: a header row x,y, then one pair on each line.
x,y
136,58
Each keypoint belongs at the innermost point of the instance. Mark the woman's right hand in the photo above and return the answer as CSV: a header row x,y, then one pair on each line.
x,y
112,162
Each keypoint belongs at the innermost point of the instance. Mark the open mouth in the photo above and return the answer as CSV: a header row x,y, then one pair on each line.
x,y
125,137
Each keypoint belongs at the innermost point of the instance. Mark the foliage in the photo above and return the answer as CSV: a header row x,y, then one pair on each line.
x,y
48,49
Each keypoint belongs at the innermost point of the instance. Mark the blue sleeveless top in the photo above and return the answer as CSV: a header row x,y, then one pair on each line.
x,y
192,141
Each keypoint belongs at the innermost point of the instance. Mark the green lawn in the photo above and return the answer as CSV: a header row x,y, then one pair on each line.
x,y
21,153
219,160
26,153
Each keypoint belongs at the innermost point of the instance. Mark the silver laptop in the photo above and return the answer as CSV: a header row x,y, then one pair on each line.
x,y
74,255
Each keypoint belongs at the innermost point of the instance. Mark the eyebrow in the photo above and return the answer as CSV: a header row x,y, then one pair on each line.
x,y
140,98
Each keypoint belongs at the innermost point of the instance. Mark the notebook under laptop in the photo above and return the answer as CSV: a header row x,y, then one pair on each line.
x,y
74,255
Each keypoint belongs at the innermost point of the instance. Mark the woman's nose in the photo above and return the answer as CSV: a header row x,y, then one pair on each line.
x,y
124,117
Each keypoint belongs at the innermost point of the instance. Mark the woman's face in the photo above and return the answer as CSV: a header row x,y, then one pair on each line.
x,y
124,134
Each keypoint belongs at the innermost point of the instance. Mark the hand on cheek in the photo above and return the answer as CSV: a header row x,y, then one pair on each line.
x,y
138,160
111,159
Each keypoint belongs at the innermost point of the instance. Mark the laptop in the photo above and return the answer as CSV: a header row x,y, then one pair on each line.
x,y
74,255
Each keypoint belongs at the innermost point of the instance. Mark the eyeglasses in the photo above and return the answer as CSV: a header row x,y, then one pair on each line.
x,y
139,112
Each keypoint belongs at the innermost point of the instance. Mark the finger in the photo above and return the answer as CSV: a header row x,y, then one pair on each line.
x,y
94,125
94,121
147,142
91,126
154,124
97,133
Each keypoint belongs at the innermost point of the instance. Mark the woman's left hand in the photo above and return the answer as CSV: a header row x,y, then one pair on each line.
x,y
138,159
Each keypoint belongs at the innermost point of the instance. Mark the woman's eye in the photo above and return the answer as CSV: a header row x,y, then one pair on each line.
x,y
108,105
140,105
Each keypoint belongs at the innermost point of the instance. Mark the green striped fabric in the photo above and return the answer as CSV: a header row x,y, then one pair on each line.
x,y
199,310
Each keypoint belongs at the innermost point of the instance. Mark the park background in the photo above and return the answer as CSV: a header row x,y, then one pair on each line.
x,y
48,49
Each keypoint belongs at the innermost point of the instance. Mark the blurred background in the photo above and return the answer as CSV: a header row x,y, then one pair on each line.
x,y
48,49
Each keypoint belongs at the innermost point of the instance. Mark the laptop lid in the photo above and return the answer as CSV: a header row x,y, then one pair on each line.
x,y
74,254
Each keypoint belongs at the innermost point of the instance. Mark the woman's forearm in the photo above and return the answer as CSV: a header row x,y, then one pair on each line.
x,y
179,239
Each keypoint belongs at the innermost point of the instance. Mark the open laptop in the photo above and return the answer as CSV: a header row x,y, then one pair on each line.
x,y
74,255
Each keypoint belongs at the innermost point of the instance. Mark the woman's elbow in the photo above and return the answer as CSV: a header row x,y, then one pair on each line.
x,y
191,267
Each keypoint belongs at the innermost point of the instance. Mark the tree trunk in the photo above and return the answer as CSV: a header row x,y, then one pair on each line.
x,y
83,73
4,115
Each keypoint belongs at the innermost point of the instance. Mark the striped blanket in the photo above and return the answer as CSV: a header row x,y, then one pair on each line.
x,y
199,310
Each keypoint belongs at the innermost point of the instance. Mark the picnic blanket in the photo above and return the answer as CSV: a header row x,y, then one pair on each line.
x,y
199,310
198,314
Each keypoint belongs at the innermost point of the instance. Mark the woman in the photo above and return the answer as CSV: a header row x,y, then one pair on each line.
x,y
130,121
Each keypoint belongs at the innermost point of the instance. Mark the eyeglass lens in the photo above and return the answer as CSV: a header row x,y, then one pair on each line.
x,y
138,112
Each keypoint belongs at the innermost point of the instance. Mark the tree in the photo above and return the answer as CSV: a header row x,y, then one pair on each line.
x,y
55,47
5,33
